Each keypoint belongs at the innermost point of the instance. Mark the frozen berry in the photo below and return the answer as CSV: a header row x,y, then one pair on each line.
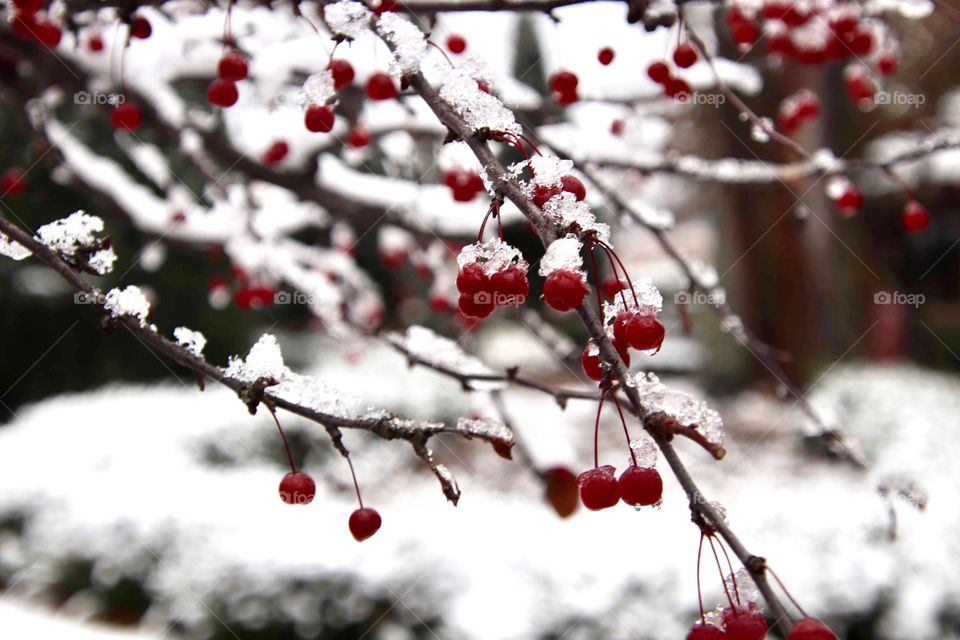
x,y
275,153
342,73
456,44
685,55
476,305
605,56
811,629
510,286
47,34
380,87
140,28
645,332
564,290
591,361
297,488
641,486
472,279
744,624
232,66
572,184
364,523
95,44
561,490
599,488
359,137
915,217
850,201
319,118
126,116
222,93
703,631
658,72
564,82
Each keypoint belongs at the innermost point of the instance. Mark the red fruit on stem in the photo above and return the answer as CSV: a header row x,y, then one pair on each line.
x,y
456,43
744,624
640,486
658,72
24,25
616,127
591,363
222,93
862,43
915,217
745,33
572,184
232,66
850,201
562,490
297,488
605,56
685,55
275,153
342,73
510,286
887,63
140,28
319,118
472,279
810,629
564,290
701,631
95,44
645,332
364,523
678,89
476,305
599,488
564,98
47,34
12,183
126,116
380,87
612,286
564,82
542,194
359,137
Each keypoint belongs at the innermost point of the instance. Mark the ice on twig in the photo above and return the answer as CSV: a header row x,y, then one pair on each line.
x,y
489,429
75,239
425,345
13,249
347,18
562,254
645,298
477,108
127,303
493,255
575,216
192,341
644,451
743,588
681,406
408,43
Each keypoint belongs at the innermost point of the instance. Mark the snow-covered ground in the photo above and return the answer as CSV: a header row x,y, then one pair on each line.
x,y
176,490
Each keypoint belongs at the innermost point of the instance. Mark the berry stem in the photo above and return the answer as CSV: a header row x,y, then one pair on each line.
x,y
596,431
442,52
283,437
616,275
720,570
626,432
786,591
356,485
736,588
703,617
596,281
626,274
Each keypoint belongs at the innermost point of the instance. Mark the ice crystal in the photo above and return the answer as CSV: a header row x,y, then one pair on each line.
x,y
477,108
409,43
13,249
576,217
347,18
644,451
493,255
439,351
645,298
127,302
681,406
75,238
562,254
192,341
318,88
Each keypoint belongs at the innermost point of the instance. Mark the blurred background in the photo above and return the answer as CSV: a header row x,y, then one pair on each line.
x,y
134,506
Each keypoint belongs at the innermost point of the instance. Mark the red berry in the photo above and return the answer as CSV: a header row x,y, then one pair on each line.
x,y
572,184
364,523
915,217
599,488
47,34
253,297
701,631
658,72
850,200
394,259
12,183
887,63
612,286
678,89
275,153
616,127
810,629
605,56
456,44
745,624
476,305
126,116
745,33
297,488
222,93
510,286
359,137
591,362
232,66
564,82
382,6
561,490
640,486
780,44
28,6
95,43
472,279
645,332
140,28
564,290
342,73
563,98
24,25
685,55
380,87
542,194
861,43
319,118
620,324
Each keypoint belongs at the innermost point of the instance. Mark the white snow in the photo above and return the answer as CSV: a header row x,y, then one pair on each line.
x,y
563,254
192,341
129,302
75,238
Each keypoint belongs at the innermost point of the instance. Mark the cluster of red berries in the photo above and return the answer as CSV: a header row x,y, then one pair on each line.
x,y
28,23
637,486
673,87
739,623
568,183
481,292
638,329
743,29
464,185
859,85
12,183
847,36
797,110
222,91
